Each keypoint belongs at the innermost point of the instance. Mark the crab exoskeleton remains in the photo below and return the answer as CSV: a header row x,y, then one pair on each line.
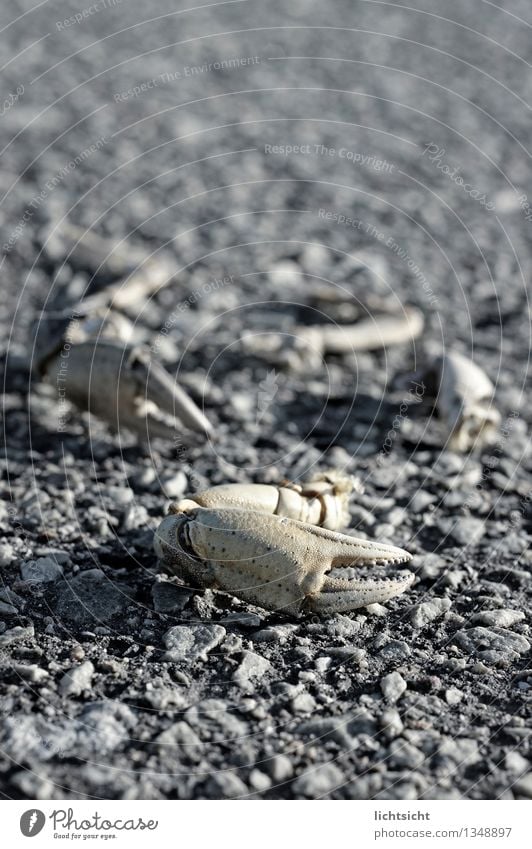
x,y
90,360
89,349
278,563
122,275
463,396
369,334
322,500
308,345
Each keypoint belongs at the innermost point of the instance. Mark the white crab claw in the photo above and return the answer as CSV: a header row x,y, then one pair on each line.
x,y
121,385
279,563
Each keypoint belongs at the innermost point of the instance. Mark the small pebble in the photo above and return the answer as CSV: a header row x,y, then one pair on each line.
x,y
17,635
429,611
318,781
453,696
523,786
280,768
169,598
391,723
259,781
41,571
393,686
482,641
420,501
77,679
175,486
516,763
502,618
245,620
303,703
465,530
376,609
395,650
7,554
190,643
405,755
77,653
31,672
251,669
227,785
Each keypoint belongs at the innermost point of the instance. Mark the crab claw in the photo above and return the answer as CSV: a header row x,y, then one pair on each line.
x,y
279,563
463,397
121,385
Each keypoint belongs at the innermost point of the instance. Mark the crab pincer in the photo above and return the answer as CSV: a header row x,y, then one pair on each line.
x,y
121,384
279,563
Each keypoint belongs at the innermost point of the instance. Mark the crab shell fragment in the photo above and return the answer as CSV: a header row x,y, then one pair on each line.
x,y
464,400
91,357
278,563
323,500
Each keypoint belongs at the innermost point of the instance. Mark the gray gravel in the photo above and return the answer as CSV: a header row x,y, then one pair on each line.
x,y
116,681
192,642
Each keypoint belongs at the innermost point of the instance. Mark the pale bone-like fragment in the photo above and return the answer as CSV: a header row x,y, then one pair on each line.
x,y
137,287
322,501
366,335
465,402
463,396
129,273
307,345
90,361
278,563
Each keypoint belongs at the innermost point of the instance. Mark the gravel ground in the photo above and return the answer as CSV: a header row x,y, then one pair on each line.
x,y
117,682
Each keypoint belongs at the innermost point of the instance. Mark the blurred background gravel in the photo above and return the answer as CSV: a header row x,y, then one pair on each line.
x,y
177,122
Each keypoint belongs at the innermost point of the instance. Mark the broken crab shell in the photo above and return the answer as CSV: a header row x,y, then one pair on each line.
x,y
120,384
55,331
464,400
278,563
322,501
122,274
